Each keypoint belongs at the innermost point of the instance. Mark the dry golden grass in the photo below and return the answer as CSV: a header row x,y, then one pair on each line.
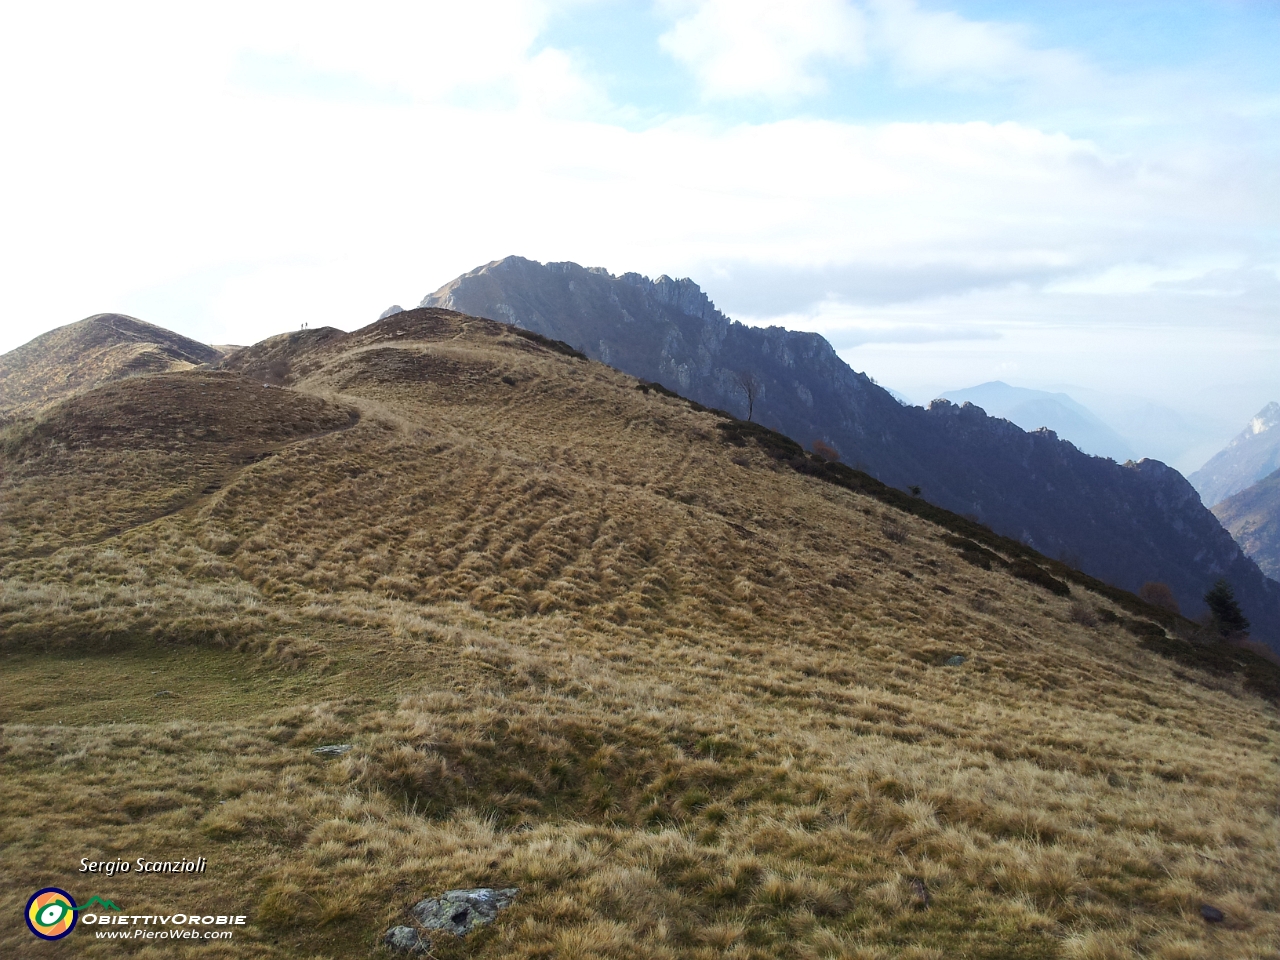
x,y
692,708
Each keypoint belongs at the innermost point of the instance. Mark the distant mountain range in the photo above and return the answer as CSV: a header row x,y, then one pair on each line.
x,y
1251,455
1033,409
1126,524
1182,439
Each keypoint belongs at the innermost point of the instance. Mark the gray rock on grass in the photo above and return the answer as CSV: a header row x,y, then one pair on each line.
x,y
406,940
461,911
1211,914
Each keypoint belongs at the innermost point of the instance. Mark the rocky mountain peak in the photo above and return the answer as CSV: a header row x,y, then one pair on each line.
x,y
1268,418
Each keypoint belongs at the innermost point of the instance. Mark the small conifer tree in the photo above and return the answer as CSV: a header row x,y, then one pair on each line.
x,y
1228,618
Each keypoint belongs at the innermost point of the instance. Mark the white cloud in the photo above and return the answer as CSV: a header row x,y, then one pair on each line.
x,y
427,50
931,46
762,48
1128,278
759,48
147,171
341,202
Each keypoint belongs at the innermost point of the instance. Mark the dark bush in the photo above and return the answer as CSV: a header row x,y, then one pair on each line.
x,y
1082,614
893,532
738,432
1033,573
559,346
1144,628
978,555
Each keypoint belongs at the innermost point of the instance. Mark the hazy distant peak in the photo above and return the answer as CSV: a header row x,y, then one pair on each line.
x,y
1268,418
1058,412
1251,455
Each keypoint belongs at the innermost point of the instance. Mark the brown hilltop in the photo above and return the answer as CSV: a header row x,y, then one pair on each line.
x,y
684,687
83,355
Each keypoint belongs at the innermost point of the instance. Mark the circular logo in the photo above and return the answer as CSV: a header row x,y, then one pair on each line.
x,y
51,913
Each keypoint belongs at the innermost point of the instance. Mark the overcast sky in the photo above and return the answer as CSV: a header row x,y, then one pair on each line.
x,y
1045,193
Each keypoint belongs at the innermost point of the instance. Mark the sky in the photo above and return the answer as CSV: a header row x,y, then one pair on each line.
x,y
1055,193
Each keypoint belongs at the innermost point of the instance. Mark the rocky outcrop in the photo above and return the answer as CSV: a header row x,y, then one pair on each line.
x,y
461,911
331,751
406,940
1124,523
458,912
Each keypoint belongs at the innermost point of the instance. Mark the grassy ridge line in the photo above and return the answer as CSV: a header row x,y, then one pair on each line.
x,y
784,449
1260,675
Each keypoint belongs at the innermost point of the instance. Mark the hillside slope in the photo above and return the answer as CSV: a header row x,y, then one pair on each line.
x,y
637,660
1253,518
83,355
1123,523
1250,456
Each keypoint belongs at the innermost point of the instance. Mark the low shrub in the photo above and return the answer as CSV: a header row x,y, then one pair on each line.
x,y
1159,595
825,450
1033,573
975,554
1082,614
558,346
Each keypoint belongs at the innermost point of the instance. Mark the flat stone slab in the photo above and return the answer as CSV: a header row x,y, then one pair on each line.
x,y
406,940
956,661
461,911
